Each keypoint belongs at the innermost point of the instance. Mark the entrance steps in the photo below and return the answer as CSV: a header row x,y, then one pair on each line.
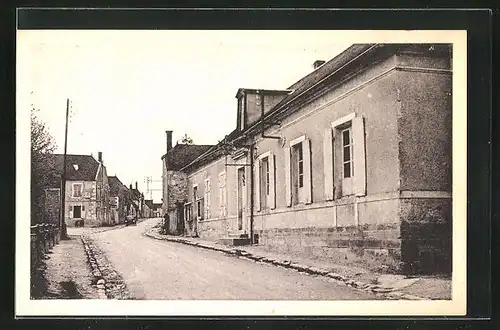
x,y
235,239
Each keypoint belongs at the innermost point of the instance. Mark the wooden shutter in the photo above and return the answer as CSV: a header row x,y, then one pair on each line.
x,y
288,181
328,163
272,182
306,147
358,133
257,184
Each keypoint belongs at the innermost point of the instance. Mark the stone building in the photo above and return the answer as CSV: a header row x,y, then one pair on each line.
x,y
351,162
87,190
119,195
174,181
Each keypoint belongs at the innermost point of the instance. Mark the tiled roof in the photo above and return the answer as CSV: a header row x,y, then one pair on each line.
x,y
183,154
136,194
114,185
78,167
149,203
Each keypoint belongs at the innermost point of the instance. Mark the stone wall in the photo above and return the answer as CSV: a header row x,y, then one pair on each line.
x,y
377,247
177,188
426,228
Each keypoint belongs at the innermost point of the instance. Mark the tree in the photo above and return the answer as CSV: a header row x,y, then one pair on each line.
x,y
43,170
186,139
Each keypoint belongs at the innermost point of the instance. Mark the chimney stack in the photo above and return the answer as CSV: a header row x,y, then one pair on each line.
x,y
318,63
169,140
99,157
136,186
130,186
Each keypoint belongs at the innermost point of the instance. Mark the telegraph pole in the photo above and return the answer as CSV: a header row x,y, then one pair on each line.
x,y
62,225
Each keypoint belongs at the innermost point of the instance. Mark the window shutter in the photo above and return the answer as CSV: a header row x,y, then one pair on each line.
x,y
272,182
257,184
306,147
288,181
358,133
328,163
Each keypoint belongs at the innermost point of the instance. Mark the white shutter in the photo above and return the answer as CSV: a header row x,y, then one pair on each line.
x,y
306,147
358,133
288,181
257,184
272,182
328,163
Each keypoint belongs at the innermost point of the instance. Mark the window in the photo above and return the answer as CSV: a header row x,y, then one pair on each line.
x,y
195,193
222,194
298,174
207,198
300,165
347,159
264,182
77,212
77,190
199,208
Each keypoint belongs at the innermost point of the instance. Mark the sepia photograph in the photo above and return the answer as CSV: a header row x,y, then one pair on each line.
x,y
206,172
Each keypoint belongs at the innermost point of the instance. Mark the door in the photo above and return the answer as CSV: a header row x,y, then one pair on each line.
x,y
180,219
77,212
241,197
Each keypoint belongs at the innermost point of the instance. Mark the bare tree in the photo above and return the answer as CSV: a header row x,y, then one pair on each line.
x,y
43,171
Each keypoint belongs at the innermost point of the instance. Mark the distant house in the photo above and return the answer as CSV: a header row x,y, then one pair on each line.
x,y
87,190
157,210
138,200
119,199
175,184
148,208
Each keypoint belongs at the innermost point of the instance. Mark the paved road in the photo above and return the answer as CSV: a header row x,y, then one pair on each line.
x,y
154,269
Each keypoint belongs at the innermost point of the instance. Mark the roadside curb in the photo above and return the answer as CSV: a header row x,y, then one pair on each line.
x,y
109,283
98,279
386,291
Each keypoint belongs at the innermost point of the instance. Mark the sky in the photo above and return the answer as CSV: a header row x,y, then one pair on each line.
x,y
127,87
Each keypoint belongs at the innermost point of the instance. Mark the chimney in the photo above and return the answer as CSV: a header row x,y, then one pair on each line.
x,y
169,140
99,157
136,186
317,64
130,186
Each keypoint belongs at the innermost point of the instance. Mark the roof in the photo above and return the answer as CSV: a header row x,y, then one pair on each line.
x,y
266,91
136,193
114,185
334,71
183,154
149,203
157,205
78,167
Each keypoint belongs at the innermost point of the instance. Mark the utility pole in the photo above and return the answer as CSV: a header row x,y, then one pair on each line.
x,y
62,226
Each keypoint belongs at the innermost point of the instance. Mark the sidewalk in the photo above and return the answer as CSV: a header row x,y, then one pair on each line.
x,y
393,286
65,273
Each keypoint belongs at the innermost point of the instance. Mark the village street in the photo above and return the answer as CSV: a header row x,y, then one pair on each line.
x,y
155,269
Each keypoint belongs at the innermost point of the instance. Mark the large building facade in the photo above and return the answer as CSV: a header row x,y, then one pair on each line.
x,y
353,161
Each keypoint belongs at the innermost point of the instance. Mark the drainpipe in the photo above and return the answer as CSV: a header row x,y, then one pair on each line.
x,y
251,194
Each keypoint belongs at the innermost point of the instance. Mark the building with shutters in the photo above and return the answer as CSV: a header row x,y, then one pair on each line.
x,y
351,162
87,196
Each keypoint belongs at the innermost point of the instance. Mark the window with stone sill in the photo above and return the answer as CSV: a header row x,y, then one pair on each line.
x,y
77,190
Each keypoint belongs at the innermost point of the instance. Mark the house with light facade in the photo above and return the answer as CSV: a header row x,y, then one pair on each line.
x,y
351,162
87,195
